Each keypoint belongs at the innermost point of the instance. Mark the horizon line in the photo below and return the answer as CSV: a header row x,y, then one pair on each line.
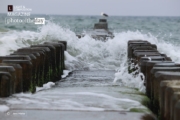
x,y
100,15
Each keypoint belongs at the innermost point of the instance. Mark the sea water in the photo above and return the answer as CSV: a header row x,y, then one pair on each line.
x,y
121,91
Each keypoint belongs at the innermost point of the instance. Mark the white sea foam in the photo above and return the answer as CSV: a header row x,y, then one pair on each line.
x,y
45,86
73,99
4,108
65,73
104,96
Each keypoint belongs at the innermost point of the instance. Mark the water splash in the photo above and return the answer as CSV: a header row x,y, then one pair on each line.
x,y
88,53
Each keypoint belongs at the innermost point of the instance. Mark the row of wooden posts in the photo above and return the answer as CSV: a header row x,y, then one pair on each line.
x,y
162,78
28,67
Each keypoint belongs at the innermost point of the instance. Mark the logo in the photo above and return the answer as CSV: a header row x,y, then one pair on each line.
x,y
18,10
39,21
18,14
10,8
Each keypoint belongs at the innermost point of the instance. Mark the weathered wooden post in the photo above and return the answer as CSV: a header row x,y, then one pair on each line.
x,y
11,70
5,84
18,79
27,73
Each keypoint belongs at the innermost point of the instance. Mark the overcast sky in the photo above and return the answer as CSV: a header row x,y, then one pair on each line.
x,y
95,7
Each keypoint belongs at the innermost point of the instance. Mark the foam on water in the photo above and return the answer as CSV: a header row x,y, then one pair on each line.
x,y
45,86
65,73
4,108
69,98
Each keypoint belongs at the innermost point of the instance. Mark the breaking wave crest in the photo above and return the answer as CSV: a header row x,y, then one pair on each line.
x,y
87,53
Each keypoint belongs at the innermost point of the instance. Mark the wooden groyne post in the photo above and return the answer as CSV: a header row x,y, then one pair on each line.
x,y
162,78
28,67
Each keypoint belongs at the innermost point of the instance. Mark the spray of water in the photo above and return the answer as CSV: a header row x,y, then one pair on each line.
x,y
87,53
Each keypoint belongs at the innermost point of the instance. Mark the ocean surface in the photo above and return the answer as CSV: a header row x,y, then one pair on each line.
x,y
89,54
